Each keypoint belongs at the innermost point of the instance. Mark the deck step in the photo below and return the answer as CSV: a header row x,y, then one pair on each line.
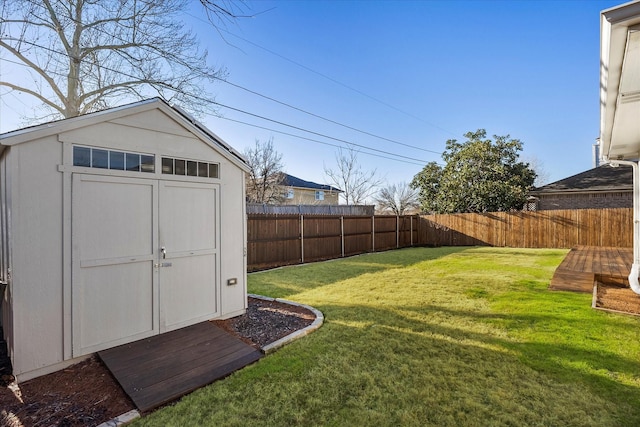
x,y
576,281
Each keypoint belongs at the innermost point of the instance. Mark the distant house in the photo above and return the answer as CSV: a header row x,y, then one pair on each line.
x,y
603,187
297,191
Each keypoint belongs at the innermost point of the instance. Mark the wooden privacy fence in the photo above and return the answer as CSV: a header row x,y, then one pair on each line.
x,y
542,229
276,240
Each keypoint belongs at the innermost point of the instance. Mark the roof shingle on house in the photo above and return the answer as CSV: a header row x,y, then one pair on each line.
x,y
292,181
604,178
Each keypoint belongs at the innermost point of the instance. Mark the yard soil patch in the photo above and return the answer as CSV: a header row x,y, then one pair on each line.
x,y
618,298
86,394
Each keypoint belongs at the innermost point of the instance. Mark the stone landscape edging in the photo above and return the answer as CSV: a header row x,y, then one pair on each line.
x,y
319,320
127,417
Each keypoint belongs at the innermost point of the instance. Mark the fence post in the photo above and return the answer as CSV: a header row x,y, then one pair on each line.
x,y
373,233
397,231
342,234
302,239
411,230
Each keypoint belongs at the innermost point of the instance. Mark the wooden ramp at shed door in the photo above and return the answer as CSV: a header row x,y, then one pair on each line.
x,y
156,370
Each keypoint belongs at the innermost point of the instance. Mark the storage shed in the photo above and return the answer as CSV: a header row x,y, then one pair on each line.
x,y
116,226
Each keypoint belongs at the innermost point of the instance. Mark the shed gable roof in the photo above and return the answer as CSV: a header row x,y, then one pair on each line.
x,y
191,125
602,178
292,181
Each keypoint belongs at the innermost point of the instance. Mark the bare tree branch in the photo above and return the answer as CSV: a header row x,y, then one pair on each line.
x,y
265,173
397,199
87,55
31,92
38,70
355,183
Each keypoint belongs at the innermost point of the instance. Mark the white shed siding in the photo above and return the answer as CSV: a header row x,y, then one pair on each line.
x,y
4,228
5,252
36,288
44,325
234,297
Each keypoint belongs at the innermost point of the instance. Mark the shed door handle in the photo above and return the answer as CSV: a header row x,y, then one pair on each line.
x,y
163,250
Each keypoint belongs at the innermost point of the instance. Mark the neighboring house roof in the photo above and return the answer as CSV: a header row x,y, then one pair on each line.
x,y
38,131
601,179
292,181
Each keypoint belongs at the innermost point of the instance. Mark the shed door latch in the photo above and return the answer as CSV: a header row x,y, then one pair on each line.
x,y
163,264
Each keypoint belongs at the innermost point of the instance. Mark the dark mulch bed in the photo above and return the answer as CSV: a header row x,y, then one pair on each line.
x,y
267,321
87,395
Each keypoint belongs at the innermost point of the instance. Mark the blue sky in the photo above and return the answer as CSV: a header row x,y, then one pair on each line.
x,y
415,72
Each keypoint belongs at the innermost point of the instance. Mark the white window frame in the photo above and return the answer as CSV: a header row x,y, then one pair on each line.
x,y
319,195
289,193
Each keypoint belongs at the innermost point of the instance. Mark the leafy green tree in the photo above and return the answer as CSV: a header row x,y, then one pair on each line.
x,y
479,175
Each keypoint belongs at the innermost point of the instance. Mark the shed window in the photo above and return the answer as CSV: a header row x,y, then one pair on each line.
x,y
192,168
132,162
147,163
82,156
116,160
203,169
167,165
171,166
181,167
319,195
99,159
214,170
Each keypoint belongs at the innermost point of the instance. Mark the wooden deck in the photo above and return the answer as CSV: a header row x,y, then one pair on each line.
x,y
583,265
159,369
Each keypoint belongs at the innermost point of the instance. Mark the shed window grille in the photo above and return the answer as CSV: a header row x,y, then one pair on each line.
x,y
319,195
171,166
99,158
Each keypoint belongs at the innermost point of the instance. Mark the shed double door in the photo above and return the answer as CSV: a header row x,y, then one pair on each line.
x,y
145,258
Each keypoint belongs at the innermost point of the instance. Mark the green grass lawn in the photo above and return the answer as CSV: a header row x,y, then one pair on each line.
x,y
424,336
